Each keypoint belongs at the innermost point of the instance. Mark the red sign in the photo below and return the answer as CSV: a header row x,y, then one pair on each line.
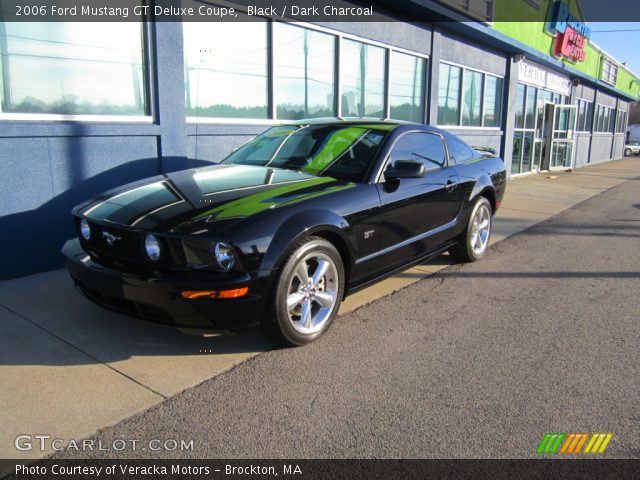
x,y
570,45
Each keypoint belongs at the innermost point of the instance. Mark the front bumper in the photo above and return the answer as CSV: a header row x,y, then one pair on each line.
x,y
158,298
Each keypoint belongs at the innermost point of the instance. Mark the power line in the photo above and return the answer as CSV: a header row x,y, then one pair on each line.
x,y
616,31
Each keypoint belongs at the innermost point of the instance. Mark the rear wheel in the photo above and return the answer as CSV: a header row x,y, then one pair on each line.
x,y
307,294
627,152
473,242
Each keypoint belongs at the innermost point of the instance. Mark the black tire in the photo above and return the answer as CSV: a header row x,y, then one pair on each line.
x,y
465,250
290,325
627,152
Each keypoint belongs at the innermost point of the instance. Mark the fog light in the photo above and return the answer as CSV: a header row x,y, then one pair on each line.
x,y
152,248
85,229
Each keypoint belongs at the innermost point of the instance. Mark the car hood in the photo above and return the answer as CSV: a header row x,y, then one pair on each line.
x,y
202,200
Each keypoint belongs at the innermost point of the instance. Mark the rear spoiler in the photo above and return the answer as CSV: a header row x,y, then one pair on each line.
x,y
491,151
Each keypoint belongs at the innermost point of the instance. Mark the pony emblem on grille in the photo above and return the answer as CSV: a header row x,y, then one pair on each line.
x,y
110,238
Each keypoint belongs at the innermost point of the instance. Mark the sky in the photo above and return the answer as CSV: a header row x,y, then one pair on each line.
x,y
623,46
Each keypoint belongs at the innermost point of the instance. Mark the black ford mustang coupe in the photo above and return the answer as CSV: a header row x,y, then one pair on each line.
x,y
286,226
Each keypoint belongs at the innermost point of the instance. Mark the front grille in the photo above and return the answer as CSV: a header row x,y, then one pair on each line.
x,y
127,244
127,248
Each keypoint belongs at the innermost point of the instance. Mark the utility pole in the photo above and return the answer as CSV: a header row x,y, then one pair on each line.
x,y
363,72
6,77
306,72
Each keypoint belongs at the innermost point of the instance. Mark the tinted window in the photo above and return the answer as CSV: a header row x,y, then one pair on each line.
x,y
458,151
337,151
424,147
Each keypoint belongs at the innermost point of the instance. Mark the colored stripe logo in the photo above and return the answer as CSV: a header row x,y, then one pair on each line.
x,y
574,443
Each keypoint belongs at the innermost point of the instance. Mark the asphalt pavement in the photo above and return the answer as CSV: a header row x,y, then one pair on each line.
x,y
478,360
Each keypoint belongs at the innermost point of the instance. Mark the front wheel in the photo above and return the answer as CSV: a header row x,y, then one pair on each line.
x,y
308,293
473,242
627,152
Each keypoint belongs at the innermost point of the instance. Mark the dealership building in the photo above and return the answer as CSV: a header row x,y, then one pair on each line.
x,y
86,107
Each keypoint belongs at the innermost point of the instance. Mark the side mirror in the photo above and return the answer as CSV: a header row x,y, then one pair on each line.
x,y
404,169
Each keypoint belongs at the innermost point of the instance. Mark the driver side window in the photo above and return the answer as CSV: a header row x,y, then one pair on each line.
x,y
422,147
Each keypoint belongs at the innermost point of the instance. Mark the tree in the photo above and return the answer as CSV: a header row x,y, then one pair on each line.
x,y
634,113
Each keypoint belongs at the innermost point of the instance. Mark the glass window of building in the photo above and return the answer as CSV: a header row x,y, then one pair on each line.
x,y
527,151
90,68
585,112
612,120
520,106
588,120
468,98
479,9
621,121
449,95
492,101
609,71
406,87
530,108
362,71
226,78
605,119
516,156
472,99
545,96
304,72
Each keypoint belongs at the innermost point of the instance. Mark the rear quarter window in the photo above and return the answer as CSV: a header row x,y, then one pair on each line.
x,y
459,152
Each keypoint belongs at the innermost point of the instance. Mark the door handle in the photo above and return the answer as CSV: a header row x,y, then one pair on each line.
x,y
451,185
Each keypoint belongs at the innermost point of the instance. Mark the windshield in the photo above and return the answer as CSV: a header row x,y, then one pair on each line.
x,y
337,151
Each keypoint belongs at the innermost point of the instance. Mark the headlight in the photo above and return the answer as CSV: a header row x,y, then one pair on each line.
x,y
152,248
224,256
85,229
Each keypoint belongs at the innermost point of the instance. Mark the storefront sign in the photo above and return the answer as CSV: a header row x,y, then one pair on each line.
x,y
570,45
541,77
572,35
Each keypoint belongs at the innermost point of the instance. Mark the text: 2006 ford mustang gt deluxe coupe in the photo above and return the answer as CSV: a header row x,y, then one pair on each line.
x,y
286,226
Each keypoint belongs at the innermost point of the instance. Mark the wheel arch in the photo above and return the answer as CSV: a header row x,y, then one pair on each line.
x,y
320,223
484,188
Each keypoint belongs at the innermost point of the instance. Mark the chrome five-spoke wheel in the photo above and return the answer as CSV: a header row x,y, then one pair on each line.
x,y
313,291
480,229
473,242
308,293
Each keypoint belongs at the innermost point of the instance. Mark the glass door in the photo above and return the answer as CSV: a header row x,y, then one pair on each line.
x,y
539,139
562,137
524,131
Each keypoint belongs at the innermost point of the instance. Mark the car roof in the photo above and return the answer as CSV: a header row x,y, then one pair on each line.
x,y
370,122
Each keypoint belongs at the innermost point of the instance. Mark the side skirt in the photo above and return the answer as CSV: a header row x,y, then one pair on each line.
x,y
360,286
